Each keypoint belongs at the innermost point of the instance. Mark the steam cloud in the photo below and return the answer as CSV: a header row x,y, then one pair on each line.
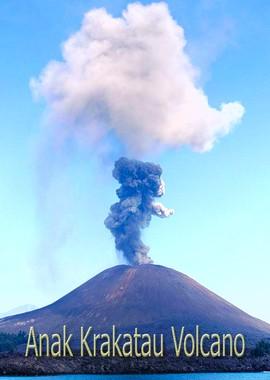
x,y
131,78
140,184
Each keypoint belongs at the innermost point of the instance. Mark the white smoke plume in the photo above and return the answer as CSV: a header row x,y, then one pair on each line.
x,y
131,78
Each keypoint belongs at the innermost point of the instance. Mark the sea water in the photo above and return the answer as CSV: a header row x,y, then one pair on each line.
x,y
200,376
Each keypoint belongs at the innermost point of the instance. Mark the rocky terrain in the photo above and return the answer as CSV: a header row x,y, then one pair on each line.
x,y
19,365
150,297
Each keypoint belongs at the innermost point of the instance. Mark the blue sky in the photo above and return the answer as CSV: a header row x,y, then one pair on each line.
x,y
219,234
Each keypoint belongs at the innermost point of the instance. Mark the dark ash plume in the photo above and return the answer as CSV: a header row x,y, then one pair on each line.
x,y
140,184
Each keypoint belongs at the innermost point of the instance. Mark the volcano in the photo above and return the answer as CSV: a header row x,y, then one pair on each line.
x,y
150,297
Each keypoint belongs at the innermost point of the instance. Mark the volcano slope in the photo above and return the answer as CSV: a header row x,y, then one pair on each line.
x,y
150,297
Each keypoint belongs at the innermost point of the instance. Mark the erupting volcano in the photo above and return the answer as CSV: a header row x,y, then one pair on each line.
x,y
140,183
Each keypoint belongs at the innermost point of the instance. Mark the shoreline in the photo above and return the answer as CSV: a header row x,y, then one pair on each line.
x,y
18,365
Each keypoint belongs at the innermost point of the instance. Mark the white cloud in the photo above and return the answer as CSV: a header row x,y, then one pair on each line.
x,y
131,75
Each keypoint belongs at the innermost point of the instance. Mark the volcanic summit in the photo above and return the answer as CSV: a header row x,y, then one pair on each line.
x,y
150,297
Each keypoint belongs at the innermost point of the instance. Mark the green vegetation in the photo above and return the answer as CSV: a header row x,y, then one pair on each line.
x,y
262,348
9,342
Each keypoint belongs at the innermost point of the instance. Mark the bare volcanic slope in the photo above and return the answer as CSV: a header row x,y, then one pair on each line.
x,y
150,297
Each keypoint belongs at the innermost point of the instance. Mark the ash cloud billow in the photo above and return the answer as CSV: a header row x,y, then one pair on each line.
x,y
140,183
128,84
131,77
